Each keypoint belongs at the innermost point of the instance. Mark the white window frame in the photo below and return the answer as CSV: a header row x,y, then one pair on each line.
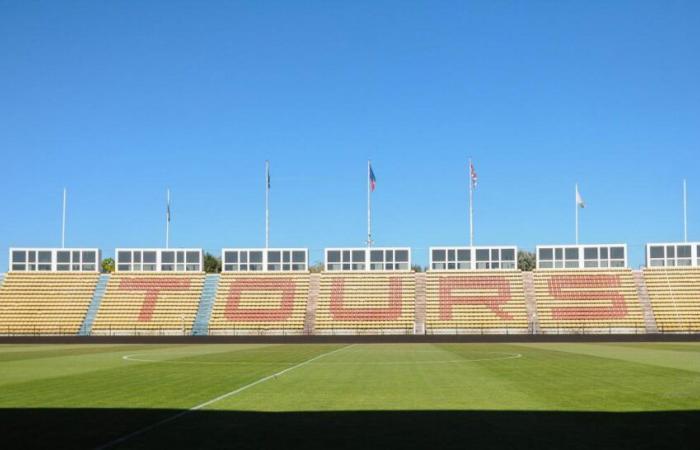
x,y
236,267
472,264
580,261
368,266
672,261
53,264
137,266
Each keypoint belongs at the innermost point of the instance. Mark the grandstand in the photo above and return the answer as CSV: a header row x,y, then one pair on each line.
x,y
467,290
261,291
48,291
154,291
672,280
586,289
475,290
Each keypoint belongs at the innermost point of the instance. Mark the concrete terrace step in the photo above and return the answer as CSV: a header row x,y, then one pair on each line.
x,y
100,289
643,294
531,302
206,304
419,326
314,288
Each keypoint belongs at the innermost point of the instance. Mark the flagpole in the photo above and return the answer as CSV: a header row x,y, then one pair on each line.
x,y
685,211
471,205
167,222
369,204
576,206
267,204
63,222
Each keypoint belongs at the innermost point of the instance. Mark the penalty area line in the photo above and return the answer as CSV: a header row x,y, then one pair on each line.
x,y
169,419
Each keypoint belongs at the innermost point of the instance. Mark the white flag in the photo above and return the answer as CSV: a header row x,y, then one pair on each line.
x,y
579,199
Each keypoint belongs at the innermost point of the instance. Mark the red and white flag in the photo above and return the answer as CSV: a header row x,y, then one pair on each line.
x,y
472,174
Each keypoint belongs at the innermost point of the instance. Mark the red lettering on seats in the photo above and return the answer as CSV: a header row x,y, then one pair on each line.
x,y
391,312
470,292
582,288
285,286
152,288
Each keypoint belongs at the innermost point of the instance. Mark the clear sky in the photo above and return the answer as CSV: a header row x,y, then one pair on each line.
x,y
119,100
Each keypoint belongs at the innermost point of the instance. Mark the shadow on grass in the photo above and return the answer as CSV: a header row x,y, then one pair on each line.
x,y
89,428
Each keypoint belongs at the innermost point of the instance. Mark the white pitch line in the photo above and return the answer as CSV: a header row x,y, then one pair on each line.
x,y
214,400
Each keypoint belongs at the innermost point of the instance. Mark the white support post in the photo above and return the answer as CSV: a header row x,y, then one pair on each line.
x,y
369,204
267,204
63,222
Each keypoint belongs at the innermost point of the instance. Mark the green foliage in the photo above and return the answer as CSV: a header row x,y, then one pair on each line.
x,y
107,265
526,260
317,267
417,268
212,264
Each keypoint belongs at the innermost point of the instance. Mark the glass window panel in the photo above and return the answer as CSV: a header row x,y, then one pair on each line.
x,y
193,257
243,258
19,267
180,257
256,257
285,257
603,252
124,257
76,256
670,251
494,255
62,257
231,257
149,257
358,256
558,253
439,255
389,256
617,253
89,257
274,257
299,257
656,251
684,262
451,255
44,257
334,256
546,254
617,263
63,267
482,255
167,257
137,257
19,256
546,264
508,254
683,251
463,255
571,253
590,253
590,263
123,267
657,262
401,256
377,256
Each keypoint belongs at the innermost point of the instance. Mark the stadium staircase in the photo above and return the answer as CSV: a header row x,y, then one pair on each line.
x,y
206,304
531,302
419,327
314,289
645,301
100,288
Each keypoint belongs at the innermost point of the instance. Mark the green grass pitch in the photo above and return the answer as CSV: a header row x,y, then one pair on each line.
x,y
553,395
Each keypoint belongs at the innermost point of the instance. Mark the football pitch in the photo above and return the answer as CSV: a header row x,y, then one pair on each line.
x,y
531,395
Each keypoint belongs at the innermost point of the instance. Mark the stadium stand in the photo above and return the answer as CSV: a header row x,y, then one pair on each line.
x,y
675,298
149,303
47,303
260,303
588,301
366,303
485,301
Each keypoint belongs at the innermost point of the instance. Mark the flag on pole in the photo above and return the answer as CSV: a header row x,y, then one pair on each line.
x,y
579,199
372,179
167,209
268,177
472,175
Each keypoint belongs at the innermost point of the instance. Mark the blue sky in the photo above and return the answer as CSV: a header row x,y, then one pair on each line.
x,y
119,100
